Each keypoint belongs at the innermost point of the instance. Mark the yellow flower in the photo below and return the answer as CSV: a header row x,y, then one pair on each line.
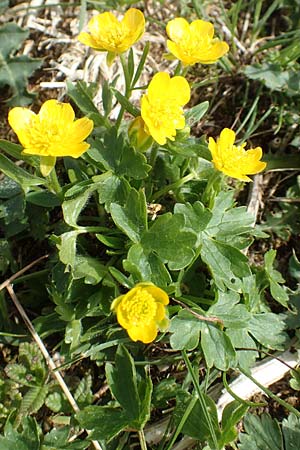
x,y
194,43
108,34
161,107
142,311
52,132
234,160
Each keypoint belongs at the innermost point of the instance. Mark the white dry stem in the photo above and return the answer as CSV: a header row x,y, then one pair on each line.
x,y
52,367
255,196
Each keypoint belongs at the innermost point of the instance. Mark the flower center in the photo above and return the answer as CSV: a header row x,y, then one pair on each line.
x,y
192,44
140,309
165,113
116,35
232,155
43,135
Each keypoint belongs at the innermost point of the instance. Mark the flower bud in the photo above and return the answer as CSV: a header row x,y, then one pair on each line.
x,y
138,137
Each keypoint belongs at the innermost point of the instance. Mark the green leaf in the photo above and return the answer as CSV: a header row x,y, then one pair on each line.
x,y
27,439
274,77
240,338
83,394
185,329
132,217
32,401
58,439
73,333
268,328
115,154
227,264
55,402
217,348
15,150
141,64
194,114
275,277
161,237
75,200
82,96
294,267
196,217
127,105
227,308
228,221
67,248
43,198
232,414
14,71
122,382
146,266
9,188
261,433
291,432
20,176
104,422
112,189
91,269
132,392
196,425
13,209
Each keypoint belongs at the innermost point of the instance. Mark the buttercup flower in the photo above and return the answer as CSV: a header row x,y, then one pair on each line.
x,y
161,107
109,34
194,43
142,311
234,160
50,133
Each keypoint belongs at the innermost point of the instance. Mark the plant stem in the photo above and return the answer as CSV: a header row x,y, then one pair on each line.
x,y
270,393
172,186
127,88
53,183
201,399
142,440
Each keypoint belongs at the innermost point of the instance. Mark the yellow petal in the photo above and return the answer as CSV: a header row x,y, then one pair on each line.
x,y
227,138
176,50
146,334
135,21
177,29
80,129
160,312
19,119
217,50
116,302
180,89
159,85
202,28
212,146
54,112
121,317
89,40
102,23
159,295
68,149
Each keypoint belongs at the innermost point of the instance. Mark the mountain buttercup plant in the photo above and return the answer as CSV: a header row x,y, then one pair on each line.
x,y
51,133
148,294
